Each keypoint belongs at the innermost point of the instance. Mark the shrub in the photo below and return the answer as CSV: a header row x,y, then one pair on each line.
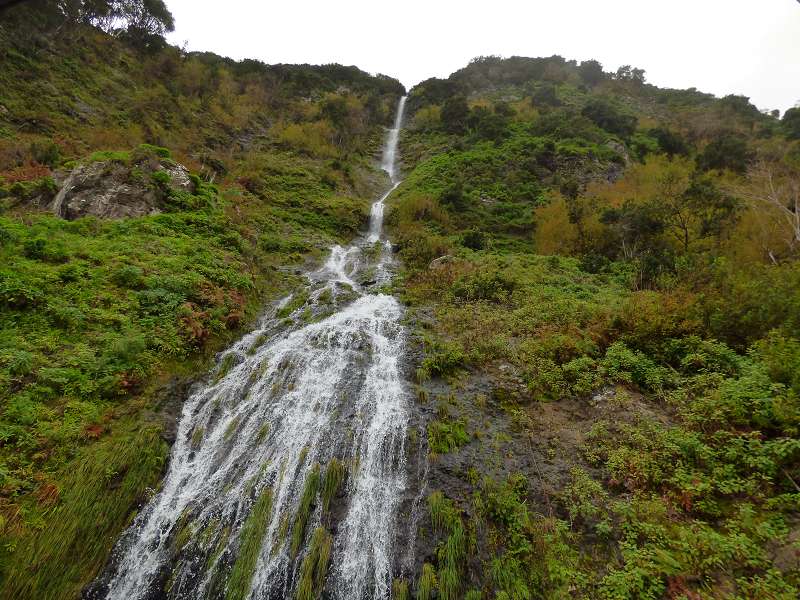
x,y
446,437
606,116
443,358
40,248
474,239
625,365
490,285
46,153
128,276
728,151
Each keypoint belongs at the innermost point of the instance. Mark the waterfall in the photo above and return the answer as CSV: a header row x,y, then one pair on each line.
x,y
249,506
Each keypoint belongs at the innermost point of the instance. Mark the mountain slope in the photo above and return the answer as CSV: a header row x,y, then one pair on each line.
x,y
104,324
609,388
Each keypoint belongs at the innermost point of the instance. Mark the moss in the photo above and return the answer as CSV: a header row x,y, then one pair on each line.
x,y
296,302
304,509
219,548
257,343
197,437
280,537
185,533
253,530
119,156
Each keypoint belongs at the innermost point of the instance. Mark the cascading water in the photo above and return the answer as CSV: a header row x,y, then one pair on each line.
x,y
249,506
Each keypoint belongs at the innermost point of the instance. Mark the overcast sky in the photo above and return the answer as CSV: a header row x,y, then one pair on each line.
x,y
749,47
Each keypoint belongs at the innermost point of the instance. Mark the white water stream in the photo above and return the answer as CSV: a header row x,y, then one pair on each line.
x,y
286,400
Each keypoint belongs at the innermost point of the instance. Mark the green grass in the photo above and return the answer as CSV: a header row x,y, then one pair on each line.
x,y
253,530
91,501
426,584
335,474
445,437
300,521
400,590
315,566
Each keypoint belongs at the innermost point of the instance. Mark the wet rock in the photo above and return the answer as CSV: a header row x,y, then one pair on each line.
x,y
167,410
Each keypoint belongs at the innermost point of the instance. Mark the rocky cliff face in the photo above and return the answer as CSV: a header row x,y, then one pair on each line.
x,y
113,190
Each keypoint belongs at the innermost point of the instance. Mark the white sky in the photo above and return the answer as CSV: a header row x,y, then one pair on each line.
x,y
749,47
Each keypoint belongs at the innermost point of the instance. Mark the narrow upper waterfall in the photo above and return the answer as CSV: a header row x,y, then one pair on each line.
x,y
289,464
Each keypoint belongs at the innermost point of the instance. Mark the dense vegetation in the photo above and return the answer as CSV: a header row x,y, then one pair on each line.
x,y
602,275
605,283
101,321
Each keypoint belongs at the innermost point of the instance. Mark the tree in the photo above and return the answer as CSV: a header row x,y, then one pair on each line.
x,y
455,112
606,116
791,123
631,74
143,22
545,95
489,125
591,72
671,143
453,197
773,193
728,151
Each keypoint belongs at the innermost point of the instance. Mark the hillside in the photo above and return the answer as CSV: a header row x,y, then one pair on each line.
x,y
606,300
591,389
105,323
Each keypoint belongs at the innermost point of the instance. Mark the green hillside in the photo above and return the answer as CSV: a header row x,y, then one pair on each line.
x,y
104,323
601,281
607,300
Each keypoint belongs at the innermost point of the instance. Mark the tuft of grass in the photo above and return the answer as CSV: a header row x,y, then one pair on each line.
x,y
185,531
400,590
304,509
253,530
296,302
427,582
262,433
197,437
334,476
257,343
448,583
225,365
231,428
315,566
439,508
451,554
444,437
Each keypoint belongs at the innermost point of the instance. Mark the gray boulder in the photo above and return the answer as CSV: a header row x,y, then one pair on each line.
x,y
112,190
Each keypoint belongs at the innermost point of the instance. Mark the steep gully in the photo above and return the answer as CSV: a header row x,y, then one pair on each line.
x,y
249,506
